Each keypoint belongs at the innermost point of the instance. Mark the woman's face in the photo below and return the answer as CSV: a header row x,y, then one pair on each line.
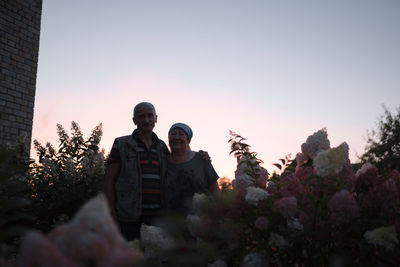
x,y
178,139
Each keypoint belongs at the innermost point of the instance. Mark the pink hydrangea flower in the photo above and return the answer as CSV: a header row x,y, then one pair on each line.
x,y
302,172
286,206
343,207
38,250
395,175
315,143
391,201
301,159
261,223
290,186
347,176
384,197
366,177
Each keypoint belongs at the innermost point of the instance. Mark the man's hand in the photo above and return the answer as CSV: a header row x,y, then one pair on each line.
x,y
204,155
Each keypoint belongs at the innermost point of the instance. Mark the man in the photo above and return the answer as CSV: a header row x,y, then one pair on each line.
x,y
137,167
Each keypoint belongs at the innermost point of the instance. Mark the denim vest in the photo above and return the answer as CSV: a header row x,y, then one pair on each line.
x,y
128,186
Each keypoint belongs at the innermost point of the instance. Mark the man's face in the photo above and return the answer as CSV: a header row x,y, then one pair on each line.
x,y
145,119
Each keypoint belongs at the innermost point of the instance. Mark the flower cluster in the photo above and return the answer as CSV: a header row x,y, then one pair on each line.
x,y
317,212
90,239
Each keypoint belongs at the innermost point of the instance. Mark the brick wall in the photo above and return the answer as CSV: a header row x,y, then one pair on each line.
x,y
19,48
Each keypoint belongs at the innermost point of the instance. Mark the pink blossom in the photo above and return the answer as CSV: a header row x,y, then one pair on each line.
x,y
286,206
122,258
301,159
390,202
272,188
347,176
315,143
290,186
37,250
366,177
395,175
261,223
302,172
343,207
384,197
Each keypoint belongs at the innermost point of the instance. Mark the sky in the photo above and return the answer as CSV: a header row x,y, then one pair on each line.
x,y
274,72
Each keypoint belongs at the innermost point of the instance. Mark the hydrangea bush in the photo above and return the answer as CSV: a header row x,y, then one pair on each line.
x,y
316,212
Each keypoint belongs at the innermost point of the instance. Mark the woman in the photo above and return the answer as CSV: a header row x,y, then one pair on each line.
x,y
188,173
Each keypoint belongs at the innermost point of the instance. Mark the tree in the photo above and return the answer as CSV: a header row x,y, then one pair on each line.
x,y
64,180
383,146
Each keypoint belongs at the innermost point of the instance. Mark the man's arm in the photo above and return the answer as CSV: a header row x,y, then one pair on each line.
x,y
112,174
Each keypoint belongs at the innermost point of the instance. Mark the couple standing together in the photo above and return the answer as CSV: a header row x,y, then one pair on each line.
x,y
144,178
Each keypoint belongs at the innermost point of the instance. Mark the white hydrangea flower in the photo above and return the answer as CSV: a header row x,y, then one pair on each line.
x,y
199,202
383,236
155,238
276,240
243,181
255,194
315,143
294,224
364,168
218,263
330,162
254,259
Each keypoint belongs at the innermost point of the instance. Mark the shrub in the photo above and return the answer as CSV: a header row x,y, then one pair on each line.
x,y
64,179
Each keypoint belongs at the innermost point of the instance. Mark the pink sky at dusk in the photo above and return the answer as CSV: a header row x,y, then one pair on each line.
x,y
275,72
271,137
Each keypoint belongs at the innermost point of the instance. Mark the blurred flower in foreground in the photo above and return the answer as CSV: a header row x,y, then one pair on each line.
x,y
383,236
90,239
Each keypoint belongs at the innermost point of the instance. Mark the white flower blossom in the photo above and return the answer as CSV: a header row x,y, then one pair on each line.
x,y
330,162
155,238
276,240
255,194
218,263
254,259
383,236
243,181
294,224
199,202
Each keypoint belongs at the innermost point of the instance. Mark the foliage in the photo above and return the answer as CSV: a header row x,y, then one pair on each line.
x,y
15,215
383,146
316,212
66,178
